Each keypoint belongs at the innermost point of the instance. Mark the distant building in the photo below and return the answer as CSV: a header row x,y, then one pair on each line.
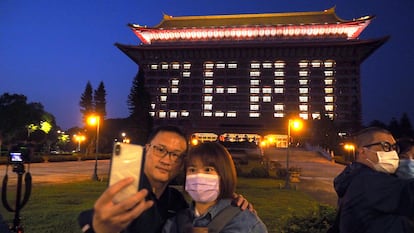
x,y
248,73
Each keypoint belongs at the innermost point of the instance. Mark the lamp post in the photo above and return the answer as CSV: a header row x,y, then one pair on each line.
x,y
95,120
296,124
79,138
351,152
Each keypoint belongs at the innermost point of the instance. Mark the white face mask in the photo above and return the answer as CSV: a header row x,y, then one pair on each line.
x,y
203,187
387,161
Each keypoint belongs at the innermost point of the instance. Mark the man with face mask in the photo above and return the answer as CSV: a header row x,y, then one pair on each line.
x,y
370,197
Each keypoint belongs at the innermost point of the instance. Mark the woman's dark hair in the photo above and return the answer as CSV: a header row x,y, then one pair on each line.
x,y
216,155
405,144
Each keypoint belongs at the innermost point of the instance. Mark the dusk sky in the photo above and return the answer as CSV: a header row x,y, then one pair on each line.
x,y
49,50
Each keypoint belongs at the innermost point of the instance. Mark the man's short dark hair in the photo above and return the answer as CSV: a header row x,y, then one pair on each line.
x,y
166,128
366,135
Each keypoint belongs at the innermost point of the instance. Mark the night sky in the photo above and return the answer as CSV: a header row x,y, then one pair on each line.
x,y
49,50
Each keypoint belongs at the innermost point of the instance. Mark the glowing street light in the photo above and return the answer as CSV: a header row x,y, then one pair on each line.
x,y
292,125
79,138
92,121
351,150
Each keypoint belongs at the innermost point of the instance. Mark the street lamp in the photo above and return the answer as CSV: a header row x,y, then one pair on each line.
x,y
92,121
351,152
79,138
295,125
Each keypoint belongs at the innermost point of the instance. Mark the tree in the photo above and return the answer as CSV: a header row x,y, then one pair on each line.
x,y
99,100
406,129
86,103
139,101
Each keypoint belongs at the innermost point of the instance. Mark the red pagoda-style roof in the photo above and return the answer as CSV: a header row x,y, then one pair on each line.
x,y
271,26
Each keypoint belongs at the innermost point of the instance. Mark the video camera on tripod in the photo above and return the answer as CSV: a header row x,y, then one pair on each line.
x,y
18,156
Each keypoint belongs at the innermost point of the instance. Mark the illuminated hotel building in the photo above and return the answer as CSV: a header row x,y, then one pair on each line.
x,y
250,72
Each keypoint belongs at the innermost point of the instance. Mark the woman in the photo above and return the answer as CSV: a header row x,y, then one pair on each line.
x,y
211,181
405,168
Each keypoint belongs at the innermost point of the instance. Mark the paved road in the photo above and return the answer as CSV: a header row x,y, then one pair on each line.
x,y
316,177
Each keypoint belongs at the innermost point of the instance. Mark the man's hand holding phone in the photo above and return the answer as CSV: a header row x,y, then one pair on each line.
x,y
110,217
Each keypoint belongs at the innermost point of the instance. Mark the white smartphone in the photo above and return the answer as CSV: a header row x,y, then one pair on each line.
x,y
127,161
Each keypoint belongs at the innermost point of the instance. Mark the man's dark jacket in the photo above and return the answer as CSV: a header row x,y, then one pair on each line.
x,y
374,202
153,219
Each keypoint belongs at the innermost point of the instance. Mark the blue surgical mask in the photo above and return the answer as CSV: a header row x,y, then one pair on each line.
x,y
406,169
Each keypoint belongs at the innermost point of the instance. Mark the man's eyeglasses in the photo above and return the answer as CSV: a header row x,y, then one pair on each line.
x,y
161,152
386,146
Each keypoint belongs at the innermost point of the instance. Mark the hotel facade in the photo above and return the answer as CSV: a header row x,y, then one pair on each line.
x,y
250,73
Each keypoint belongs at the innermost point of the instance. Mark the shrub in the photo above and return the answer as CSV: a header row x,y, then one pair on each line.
x,y
259,172
316,222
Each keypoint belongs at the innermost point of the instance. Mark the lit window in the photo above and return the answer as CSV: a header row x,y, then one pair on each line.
x,y
279,64
208,74
220,90
209,65
329,99
267,99
316,115
303,82
278,115
254,73
207,114
255,65
303,99
329,73
186,74
329,108
267,65
162,114
173,114
231,114
208,106
279,81
175,82
208,90
328,90
154,67
278,90
279,73
254,114
176,66
303,107
303,116
330,115
254,98
255,90
208,98
316,64
279,107
328,81
254,107
163,90
267,90
185,113
232,90
303,90
152,106
220,65
187,66
208,82
303,64
328,64
232,65
164,66
219,114
174,90
303,73
152,114
163,98
254,82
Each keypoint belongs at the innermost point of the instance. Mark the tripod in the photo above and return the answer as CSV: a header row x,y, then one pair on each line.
x,y
19,204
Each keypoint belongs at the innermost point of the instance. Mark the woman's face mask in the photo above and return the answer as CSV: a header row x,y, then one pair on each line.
x,y
203,187
405,169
